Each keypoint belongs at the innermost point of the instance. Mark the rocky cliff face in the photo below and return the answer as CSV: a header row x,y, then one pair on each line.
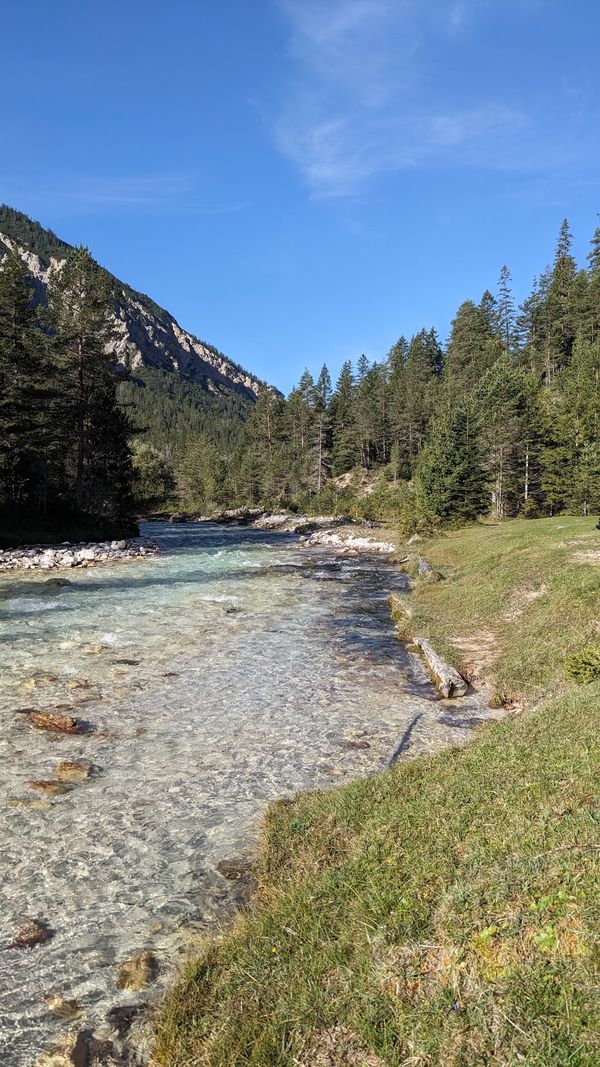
x,y
149,336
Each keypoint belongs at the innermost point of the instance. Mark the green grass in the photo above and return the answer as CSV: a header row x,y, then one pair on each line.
x,y
524,587
443,912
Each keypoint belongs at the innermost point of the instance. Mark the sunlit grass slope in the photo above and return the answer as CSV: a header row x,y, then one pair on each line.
x,y
444,912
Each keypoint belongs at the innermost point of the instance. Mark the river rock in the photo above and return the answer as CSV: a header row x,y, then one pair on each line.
x,y
31,932
73,771
349,541
137,972
58,583
64,1009
61,724
48,787
233,869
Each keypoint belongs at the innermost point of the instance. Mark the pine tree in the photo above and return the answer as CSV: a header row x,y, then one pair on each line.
x,y
506,397
559,310
321,431
27,440
345,446
98,469
419,382
450,472
474,344
506,310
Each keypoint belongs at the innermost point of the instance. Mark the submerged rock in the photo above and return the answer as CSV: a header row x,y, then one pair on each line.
x,y
73,771
137,972
64,1009
31,932
233,869
49,787
61,724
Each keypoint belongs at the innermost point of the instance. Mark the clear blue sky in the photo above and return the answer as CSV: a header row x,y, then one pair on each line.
x,y
300,181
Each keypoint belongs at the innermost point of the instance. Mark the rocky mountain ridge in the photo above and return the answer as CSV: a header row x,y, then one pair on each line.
x,y
148,336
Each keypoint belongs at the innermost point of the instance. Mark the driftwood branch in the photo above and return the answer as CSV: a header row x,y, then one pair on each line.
x,y
448,680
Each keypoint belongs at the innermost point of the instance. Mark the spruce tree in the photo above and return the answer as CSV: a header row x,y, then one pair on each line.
x,y
98,468
450,472
345,446
506,310
27,435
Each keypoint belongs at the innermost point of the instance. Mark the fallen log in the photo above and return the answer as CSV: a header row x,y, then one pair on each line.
x,y
448,680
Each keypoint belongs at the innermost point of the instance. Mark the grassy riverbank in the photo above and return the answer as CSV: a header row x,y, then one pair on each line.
x,y
444,912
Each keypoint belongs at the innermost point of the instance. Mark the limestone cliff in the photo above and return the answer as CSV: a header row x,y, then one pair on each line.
x,y
148,336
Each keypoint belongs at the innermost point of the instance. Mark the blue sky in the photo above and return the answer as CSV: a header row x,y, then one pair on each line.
x,y
300,181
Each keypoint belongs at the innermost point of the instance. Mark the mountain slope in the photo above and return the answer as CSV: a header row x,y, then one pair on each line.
x,y
148,335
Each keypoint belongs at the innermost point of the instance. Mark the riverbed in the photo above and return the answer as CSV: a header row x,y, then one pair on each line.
x,y
234,668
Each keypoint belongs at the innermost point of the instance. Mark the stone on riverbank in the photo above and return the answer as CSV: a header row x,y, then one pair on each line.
x,y
348,540
48,557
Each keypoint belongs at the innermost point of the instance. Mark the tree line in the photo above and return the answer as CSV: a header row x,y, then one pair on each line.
x,y
503,420
65,460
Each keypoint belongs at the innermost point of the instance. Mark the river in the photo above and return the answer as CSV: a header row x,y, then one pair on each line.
x,y
234,668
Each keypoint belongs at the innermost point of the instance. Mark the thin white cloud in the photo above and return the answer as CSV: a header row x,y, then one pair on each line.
x,y
360,97
170,192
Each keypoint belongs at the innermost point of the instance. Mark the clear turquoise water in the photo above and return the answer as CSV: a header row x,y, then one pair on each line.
x,y
234,668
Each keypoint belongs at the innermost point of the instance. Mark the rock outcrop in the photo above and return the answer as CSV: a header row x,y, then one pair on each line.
x,y
145,334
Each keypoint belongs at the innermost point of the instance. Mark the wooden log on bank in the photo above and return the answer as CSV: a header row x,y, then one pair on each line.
x,y
448,680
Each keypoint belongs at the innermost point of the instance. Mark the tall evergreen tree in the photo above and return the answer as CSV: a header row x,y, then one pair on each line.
x,y
27,439
450,470
506,310
98,469
345,446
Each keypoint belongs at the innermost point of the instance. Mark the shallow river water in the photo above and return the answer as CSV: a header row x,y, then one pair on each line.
x,y
234,668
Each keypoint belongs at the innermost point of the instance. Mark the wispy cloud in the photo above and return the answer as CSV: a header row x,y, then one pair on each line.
x,y
170,192
157,190
152,189
362,97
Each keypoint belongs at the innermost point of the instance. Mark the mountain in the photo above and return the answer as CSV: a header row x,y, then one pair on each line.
x,y
186,383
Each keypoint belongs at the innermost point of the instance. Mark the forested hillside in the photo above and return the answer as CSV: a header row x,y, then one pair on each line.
x,y
178,375
167,391
65,463
504,419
